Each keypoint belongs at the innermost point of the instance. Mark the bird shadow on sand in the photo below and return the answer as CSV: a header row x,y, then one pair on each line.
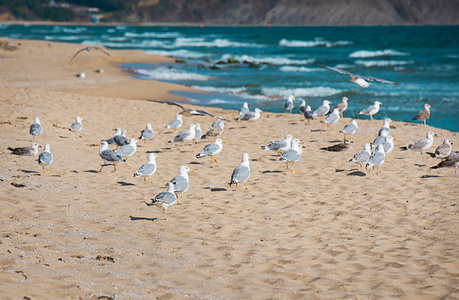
x,y
218,189
335,141
142,219
419,165
91,171
317,130
124,183
339,170
269,172
357,173
29,172
430,176
194,163
156,152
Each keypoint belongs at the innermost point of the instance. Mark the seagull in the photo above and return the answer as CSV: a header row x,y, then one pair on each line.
x,y
388,146
308,115
333,118
197,133
279,145
302,108
443,150
244,109
45,158
377,158
251,116
289,103
380,139
148,168
371,110
146,134
424,114
165,199
25,151
292,155
360,80
211,150
111,140
362,156
127,150
89,49
322,110
216,129
242,172
386,126
186,111
338,147
451,160
77,126
181,182
422,144
185,135
350,129
108,156
342,106
36,129
121,140
176,123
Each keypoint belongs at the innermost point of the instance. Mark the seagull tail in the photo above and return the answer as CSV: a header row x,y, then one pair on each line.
x,y
404,148
199,155
232,182
11,149
136,174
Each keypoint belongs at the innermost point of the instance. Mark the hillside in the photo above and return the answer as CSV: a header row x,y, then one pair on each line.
x,y
240,12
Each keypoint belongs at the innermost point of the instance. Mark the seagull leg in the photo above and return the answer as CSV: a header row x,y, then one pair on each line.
x,y
127,161
44,173
236,186
114,167
213,159
333,127
246,186
149,180
293,168
47,169
101,168
371,117
287,166
144,180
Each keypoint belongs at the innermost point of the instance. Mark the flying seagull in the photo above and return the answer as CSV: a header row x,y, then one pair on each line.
x,y
360,80
89,49
186,111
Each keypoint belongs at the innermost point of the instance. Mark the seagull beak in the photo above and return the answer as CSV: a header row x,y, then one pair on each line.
x,y
223,142
191,171
250,158
301,142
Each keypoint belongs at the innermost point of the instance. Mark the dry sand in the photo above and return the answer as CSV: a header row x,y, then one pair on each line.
x,y
328,231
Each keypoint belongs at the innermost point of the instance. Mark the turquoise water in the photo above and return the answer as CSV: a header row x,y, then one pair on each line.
x,y
275,62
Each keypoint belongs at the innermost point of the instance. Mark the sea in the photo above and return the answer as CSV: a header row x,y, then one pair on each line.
x,y
264,65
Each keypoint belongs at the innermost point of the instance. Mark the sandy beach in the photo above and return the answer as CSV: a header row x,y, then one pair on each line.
x,y
328,231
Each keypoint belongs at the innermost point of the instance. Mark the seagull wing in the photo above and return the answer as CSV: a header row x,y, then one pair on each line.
x,y
369,78
78,52
338,70
169,103
102,50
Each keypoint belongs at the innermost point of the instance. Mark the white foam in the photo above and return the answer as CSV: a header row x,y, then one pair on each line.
x,y
153,34
179,53
222,90
319,91
366,53
300,69
170,74
318,42
217,101
275,60
218,43
382,63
